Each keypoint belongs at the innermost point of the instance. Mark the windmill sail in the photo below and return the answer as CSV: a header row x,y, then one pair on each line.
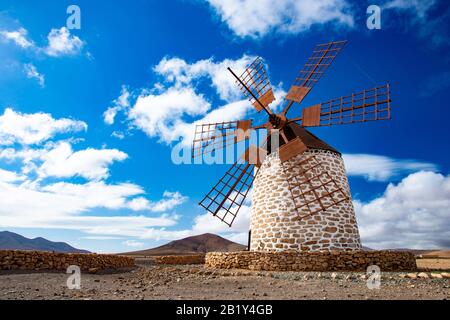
x,y
316,65
212,136
228,195
255,85
367,105
291,149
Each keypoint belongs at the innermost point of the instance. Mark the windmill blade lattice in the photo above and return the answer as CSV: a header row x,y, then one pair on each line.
x,y
316,65
254,83
368,105
227,196
212,136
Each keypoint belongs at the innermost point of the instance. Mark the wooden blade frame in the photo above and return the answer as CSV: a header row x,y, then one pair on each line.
x,y
227,196
316,65
255,85
211,136
368,105
254,155
291,149
312,188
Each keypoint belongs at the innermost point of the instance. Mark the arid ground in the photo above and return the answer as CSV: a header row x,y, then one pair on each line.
x,y
149,281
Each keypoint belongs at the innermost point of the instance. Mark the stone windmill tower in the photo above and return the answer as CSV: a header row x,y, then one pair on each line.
x,y
301,198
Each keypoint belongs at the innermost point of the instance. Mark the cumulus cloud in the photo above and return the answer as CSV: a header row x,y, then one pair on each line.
x,y
28,205
27,129
61,42
10,176
381,168
180,72
92,164
74,206
119,104
170,200
171,109
411,214
158,115
32,73
19,37
247,18
58,203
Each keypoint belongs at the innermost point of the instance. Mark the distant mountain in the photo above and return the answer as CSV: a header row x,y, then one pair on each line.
x,y
197,244
14,241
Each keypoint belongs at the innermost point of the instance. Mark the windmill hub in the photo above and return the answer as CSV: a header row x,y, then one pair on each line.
x,y
277,121
301,199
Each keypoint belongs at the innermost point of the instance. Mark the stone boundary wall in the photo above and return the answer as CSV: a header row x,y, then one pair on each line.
x,y
41,260
312,261
186,259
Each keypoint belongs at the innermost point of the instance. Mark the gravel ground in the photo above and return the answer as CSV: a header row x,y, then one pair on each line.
x,y
197,282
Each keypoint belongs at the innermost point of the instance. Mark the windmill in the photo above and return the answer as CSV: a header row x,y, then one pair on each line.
x,y
301,199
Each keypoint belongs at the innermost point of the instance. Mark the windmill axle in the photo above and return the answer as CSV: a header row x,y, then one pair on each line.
x,y
277,121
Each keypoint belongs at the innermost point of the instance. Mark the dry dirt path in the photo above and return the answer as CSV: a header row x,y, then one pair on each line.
x,y
196,282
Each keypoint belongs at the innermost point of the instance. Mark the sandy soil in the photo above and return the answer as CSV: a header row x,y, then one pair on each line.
x,y
196,282
433,264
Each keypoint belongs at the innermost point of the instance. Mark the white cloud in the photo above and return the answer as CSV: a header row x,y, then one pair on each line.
x,y
27,156
133,243
10,176
178,71
93,164
170,200
32,73
119,104
118,134
171,112
381,168
110,114
34,128
61,42
19,37
412,214
65,205
98,208
159,115
247,18
52,205
418,7
101,238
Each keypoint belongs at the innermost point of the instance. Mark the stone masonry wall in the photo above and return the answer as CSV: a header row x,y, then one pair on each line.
x,y
312,261
186,259
276,224
40,260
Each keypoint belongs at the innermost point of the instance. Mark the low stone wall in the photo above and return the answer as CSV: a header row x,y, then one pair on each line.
x,y
40,260
187,259
312,261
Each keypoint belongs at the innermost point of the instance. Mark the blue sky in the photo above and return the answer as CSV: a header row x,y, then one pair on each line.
x,y
89,117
